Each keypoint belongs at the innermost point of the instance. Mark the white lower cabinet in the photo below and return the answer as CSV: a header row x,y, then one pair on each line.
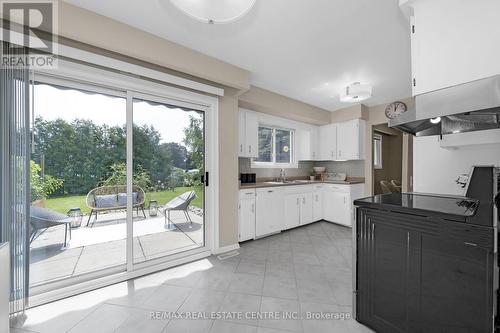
x,y
270,203
246,215
317,202
268,210
292,211
306,208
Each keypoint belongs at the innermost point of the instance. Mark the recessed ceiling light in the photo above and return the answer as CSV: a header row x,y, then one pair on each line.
x,y
356,92
214,11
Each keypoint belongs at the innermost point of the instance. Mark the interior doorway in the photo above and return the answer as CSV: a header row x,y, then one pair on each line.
x,y
392,160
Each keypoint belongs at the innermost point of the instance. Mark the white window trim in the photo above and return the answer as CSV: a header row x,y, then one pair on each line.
x,y
379,165
268,165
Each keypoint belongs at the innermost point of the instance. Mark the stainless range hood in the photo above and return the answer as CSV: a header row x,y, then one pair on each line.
x,y
467,107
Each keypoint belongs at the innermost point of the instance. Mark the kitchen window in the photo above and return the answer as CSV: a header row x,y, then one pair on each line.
x,y
275,147
377,151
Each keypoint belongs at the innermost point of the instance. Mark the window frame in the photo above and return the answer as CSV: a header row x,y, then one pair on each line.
x,y
379,138
273,163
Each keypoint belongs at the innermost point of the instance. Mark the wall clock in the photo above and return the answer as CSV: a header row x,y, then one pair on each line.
x,y
395,109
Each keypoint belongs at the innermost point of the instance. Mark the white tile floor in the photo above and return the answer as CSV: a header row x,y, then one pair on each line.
x,y
307,269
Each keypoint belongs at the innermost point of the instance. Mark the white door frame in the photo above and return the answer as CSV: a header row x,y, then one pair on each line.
x,y
90,78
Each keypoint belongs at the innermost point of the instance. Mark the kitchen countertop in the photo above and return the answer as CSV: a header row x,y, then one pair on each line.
x,y
259,184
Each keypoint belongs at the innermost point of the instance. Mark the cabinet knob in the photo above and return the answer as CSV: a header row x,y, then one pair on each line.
x,y
249,149
241,148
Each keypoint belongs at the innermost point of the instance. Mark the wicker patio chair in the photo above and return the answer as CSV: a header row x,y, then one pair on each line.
x,y
180,203
42,218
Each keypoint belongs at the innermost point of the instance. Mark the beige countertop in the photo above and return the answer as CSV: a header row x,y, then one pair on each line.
x,y
271,183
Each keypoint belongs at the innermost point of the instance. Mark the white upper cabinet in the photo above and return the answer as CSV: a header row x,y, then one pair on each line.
x,y
248,135
453,42
328,142
351,140
307,144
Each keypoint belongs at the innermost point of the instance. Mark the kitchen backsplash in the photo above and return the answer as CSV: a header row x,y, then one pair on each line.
x,y
351,168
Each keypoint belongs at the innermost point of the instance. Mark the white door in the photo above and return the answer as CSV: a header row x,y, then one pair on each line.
x,y
348,140
317,205
246,220
292,211
306,208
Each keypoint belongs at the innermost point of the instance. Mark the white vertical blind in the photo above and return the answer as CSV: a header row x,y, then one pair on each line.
x,y
14,170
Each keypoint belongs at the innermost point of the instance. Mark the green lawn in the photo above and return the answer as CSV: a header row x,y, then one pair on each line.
x,y
63,204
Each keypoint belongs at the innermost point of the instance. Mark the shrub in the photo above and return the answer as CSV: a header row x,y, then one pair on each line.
x,y
42,187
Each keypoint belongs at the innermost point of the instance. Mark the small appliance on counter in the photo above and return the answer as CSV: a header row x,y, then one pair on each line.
x,y
334,177
248,178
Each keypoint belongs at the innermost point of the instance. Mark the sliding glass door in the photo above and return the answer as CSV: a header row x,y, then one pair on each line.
x,y
118,181
78,217
168,169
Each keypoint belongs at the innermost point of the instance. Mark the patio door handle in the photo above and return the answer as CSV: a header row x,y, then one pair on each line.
x,y
205,179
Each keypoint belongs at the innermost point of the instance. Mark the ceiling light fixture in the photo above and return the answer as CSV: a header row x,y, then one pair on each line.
x,y
356,92
214,11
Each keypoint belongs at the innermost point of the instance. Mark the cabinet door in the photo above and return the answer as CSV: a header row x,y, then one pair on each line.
x,y
306,208
315,143
292,211
317,205
251,134
383,276
241,134
456,285
246,221
328,142
303,144
348,140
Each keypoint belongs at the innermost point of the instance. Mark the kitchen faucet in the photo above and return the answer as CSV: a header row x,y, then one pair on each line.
x,y
282,175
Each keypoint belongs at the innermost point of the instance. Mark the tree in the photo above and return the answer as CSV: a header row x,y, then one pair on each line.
x,y
195,143
177,153
42,187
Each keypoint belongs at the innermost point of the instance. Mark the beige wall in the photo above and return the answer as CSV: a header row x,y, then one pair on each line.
x,y
228,168
261,100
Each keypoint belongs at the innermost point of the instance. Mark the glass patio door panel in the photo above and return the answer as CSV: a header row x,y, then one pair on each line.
x,y
168,192
78,181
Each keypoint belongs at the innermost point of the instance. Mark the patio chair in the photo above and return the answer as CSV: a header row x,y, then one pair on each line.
x,y
43,219
181,203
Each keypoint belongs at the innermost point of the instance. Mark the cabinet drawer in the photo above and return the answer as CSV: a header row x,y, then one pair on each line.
x,y
247,194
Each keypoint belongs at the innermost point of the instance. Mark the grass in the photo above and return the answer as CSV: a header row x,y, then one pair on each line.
x,y
63,204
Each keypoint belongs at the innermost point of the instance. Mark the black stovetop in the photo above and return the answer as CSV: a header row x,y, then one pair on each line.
x,y
461,209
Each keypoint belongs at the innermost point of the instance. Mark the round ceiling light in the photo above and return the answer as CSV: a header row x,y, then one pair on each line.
x,y
356,92
214,11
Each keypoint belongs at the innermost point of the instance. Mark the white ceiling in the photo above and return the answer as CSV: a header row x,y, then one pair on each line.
x,y
304,49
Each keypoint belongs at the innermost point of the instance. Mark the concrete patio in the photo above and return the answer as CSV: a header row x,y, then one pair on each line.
x,y
103,244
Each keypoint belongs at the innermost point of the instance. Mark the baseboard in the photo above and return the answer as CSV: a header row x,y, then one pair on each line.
x,y
225,249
